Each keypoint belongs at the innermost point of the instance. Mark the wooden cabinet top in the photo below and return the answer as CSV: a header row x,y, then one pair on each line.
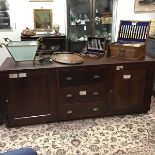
x,y
51,36
9,63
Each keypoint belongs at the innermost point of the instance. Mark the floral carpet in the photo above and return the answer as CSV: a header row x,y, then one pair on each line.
x,y
118,135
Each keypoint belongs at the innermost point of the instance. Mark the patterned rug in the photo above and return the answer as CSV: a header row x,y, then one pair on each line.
x,y
119,135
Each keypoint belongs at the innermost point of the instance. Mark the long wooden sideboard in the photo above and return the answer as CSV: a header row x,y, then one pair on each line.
x,y
56,92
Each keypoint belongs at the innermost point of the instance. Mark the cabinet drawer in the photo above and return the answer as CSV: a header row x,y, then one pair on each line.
x,y
81,77
86,110
82,94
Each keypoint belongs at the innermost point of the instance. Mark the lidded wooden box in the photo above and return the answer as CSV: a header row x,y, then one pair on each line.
x,y
96,44
131,42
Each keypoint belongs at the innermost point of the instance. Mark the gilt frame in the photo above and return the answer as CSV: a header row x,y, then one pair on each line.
x,y
144,5
42,19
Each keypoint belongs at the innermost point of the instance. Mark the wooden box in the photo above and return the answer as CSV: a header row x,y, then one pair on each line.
x,y
131,42
96,44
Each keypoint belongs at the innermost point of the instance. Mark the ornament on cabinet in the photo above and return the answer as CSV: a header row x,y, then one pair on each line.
x,y
73,20
28,32
106,18
82,19
97,17
56,29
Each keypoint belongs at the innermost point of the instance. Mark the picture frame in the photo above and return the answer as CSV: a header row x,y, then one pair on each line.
x,y
5,24
40,0
144,5
42,19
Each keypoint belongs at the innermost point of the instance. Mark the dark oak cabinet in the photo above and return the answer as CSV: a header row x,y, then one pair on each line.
x,y
30,96
56,92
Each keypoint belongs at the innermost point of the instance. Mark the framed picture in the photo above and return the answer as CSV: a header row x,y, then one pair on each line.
x,y
4,16
41,0
42,19
144,5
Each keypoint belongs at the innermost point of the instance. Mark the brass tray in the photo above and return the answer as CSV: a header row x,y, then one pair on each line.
x,y
67,58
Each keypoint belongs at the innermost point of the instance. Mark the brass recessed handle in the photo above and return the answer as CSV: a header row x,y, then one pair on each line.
x,y
95,93
69,112
69,95
111,91
96,76
95,109
122,50
69,78
122,53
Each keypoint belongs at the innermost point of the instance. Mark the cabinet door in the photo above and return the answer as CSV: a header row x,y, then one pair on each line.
x,y
102,24
29,98
128,92
79,23
1,100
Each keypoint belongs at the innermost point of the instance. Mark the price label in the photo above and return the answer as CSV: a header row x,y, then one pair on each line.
x,y
85,28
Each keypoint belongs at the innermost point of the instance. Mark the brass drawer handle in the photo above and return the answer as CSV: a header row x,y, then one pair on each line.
x,y
69,112
95,93
95,109
111,91
69,95
96,76
69,78
122,53
126,76
121,50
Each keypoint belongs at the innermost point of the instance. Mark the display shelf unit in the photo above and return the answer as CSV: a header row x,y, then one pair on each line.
x,y
88,18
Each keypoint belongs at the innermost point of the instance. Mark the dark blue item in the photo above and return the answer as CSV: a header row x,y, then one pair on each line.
x,y
21,151
133,31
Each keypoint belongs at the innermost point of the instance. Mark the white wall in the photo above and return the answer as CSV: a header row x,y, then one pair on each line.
x,y
125,11
21,16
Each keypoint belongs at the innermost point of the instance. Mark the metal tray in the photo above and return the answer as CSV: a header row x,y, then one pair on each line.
x,y
67,58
